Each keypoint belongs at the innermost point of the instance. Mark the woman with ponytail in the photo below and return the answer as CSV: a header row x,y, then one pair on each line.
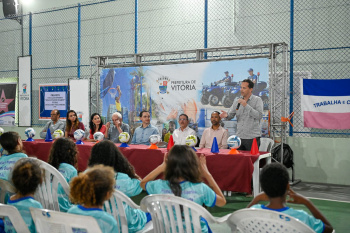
x,y
90,190
183,173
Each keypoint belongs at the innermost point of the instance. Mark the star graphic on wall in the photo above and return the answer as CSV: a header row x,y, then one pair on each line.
x,y
4,102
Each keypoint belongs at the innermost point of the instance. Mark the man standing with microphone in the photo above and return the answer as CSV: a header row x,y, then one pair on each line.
x,y
249,110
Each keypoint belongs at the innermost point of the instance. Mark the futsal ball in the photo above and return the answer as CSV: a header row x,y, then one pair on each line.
x,y
234,142
79,134
1,131
29,132
154,139
57,134
98,136
191,140
124,137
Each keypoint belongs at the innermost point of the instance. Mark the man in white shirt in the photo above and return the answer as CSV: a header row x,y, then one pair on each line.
x,y
180,134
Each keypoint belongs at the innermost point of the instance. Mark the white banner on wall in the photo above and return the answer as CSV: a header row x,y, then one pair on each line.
x,y
24,91
79,99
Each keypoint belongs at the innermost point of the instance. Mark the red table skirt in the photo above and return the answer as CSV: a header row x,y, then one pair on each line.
x,y
231,172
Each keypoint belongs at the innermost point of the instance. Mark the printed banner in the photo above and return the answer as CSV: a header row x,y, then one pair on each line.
x,y
24,91
52,96
326,103
7,103
196,89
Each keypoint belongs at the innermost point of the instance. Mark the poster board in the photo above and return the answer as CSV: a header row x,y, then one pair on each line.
x,y
53,96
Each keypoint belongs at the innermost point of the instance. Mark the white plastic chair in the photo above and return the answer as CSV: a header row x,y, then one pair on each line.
x,y
257,220
15,217
52,221
6,187
167,217
266,144
47,193
116,201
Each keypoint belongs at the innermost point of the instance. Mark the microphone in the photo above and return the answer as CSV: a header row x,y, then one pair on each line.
x,y
239,103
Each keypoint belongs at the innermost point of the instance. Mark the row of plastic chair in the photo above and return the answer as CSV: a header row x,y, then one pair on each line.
x,y
169,214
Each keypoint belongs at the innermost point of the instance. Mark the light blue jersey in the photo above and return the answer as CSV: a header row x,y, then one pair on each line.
x,y
23,204
68,172
136,218
6,164
105,220
129,186
315,224
199,193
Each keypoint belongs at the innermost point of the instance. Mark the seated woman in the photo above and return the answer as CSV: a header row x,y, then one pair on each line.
x,y
90,190
127,181
96,125
64,157
26,178
183,173
72,124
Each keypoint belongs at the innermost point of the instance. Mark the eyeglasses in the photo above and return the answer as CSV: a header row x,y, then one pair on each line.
x,y
183,119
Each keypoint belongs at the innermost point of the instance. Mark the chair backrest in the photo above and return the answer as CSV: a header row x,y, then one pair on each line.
x,y
174,214
266,144
47,193
6,187
257,220
15,217
59,222
115,207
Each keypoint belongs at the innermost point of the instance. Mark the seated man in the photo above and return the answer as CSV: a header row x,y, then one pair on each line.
x,y
215,130
274,180
54,124
112,133
180,134
144,131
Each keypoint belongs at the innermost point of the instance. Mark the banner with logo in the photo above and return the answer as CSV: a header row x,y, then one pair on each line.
x,y
325,104
24,91
196,89
52,96
7,103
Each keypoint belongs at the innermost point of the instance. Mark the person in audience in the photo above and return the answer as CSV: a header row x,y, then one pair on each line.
x,y
54,124
216,130
180,134
12,143
144,131
172,127
26,178
127,181
64,157
96,125
90,190
112,132
72,124
183,173
274,180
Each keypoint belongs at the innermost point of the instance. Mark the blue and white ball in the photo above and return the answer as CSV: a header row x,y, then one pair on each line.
x,y
124,137
79,134
29,132
154,139
58,134
234,142
191,140
98,136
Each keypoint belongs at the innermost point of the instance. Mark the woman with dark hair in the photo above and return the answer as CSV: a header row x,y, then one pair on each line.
x,y
12,143
64,157
72,124
127,181
96,125
183,173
